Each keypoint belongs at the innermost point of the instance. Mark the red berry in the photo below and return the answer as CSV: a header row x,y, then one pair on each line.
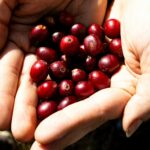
x,y
66,101
47,54
66,87
66,59
69,45
115,47
78,30
93,45
65,18
57,36
97,30
82,52
99,79
38,34
45,109
90,63
39,71
84,89
47,89
112,28
78,75
58,69
108,63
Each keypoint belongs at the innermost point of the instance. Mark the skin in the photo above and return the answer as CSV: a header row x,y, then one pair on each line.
x,y
128,95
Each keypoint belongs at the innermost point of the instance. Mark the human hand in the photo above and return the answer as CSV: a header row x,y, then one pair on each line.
x,y
16,59
128,87
136,46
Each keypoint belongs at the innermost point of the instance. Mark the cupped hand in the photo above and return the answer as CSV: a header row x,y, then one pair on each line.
x,y
17,91
128,95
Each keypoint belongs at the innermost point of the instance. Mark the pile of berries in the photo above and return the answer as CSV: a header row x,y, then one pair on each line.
x,y
74,61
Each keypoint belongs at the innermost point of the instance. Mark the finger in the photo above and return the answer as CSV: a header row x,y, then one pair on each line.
x,y
5,6
10,66
137,109
75,121
24,115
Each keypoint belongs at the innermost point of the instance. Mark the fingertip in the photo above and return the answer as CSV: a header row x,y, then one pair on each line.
x,y
134,115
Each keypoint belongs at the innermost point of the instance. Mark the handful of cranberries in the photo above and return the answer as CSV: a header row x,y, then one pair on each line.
x,y
74,61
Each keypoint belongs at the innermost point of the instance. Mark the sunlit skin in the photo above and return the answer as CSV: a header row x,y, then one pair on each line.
x,y
128,94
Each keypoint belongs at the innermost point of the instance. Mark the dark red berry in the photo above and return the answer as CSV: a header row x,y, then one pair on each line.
x,y
93,45
112,28
84,89
65,18
66,87
66,101
90,63
58,69
108,63
47,54
82,52
115,47
69,45
66,59
78,75
78,30
38,34
45,109
97,30
56,37
47,89
99,79
39,71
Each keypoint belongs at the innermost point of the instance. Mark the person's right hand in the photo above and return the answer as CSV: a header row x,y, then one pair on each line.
x,y
128,95
16,20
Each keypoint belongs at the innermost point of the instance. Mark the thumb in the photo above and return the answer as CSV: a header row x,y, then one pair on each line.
x,y
6,7
137,109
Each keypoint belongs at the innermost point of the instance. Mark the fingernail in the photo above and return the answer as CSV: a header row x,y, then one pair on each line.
x,y
133,127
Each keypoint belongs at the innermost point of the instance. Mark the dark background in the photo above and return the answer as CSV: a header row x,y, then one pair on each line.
x,y
110,136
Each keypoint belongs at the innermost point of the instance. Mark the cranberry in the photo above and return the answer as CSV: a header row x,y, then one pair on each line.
x,y
45,109
39,71
108,63
38,34
58,69
99,80
66,59
93,45
78,30
68,100
66,87
78,75
65,18
47,54
82,52
84,89
47,89
97,30
115,47
112,28
90,63
57,36
69,45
